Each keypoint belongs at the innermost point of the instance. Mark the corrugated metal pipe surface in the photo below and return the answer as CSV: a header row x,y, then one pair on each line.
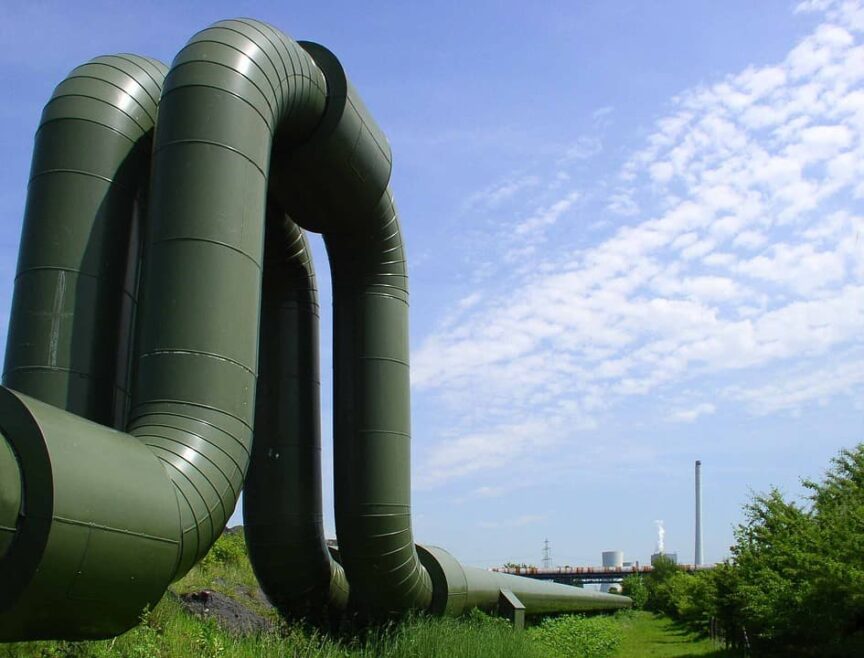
x,y
282,516
72,304
196,358
372,429
95,514
122,206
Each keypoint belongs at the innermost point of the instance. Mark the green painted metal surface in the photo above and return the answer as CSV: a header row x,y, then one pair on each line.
x,y
98,533
73,299
458,589
282,515
160,240
196,355
10,494
336,184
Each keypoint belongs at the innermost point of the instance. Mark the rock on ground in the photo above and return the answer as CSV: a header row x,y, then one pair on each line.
x,y
230,615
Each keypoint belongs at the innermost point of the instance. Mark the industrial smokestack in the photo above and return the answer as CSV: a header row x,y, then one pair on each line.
x,y
698,557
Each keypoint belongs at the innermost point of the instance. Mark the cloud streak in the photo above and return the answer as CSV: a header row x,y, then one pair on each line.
x,y
740,251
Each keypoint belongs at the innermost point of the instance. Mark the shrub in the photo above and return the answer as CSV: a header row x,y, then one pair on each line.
x,y
229,549
577,636
634,586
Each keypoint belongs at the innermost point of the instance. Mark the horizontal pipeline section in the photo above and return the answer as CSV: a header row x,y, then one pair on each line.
x,y
458,589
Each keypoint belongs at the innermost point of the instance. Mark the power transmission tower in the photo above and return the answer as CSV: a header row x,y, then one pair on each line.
x,y
547,555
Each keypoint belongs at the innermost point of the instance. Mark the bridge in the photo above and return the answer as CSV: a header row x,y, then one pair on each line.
x,y
590,575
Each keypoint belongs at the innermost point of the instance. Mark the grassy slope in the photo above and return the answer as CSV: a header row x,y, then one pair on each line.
x,y
645,635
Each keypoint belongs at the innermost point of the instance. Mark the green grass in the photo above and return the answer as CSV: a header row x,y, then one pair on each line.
x,y
645,635
168,631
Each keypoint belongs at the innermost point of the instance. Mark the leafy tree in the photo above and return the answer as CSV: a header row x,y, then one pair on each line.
x,y
661,586
837,590
634,586
800,568
773,550
728,604
795,585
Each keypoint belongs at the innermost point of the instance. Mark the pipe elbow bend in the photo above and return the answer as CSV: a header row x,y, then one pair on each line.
x,y
96,515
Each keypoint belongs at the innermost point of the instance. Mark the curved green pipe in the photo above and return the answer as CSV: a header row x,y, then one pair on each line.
x,y
351,204
226,94
81,563
349,154
76,549
73,547
74,287
372,418
97,535
282,515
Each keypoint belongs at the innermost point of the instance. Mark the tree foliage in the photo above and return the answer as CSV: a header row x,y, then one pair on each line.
x,y
634,586
795,584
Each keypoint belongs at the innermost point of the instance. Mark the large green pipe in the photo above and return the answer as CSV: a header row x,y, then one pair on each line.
x,y
81,563
282,515
372,428
336,184
458,589
73,298
226,94
94,513
78,569
97,535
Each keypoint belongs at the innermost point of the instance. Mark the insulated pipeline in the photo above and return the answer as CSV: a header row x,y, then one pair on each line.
x,y
10,494
101,513
337,184
160,241
372,417
227,93
282,515
74,288
87,511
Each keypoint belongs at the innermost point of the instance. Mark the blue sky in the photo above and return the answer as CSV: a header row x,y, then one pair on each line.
x,y
633,237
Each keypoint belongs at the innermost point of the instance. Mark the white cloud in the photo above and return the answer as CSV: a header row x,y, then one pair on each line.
x,y
689,415
622,203
750,239
489,492
737,260
496,194
818,385
546,216
584,148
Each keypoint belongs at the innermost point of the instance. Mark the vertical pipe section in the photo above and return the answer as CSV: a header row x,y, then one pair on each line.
x,y
193,402
70,305
282,515
372,416
336,184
